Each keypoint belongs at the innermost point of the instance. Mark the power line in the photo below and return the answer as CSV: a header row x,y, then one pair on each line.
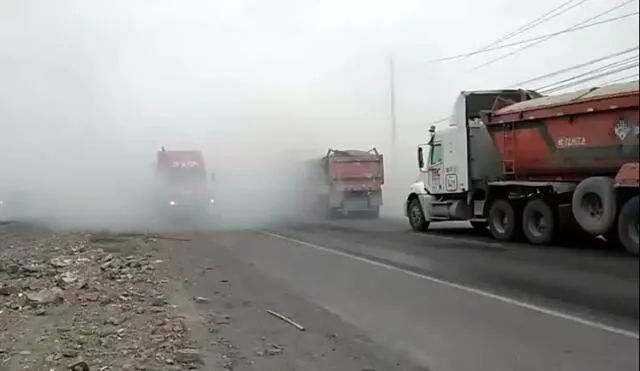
x,y
536,22
591,78
564,70
571,84
623,78
503,46
569,69
554,88
599,69
569,29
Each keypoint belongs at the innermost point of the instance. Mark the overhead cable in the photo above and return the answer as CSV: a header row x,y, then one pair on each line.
x,y
569,29
574,67
570,84
627,78
536,22
591,78
590,72
533,39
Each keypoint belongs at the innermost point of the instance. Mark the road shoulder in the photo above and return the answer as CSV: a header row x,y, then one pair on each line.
x,y
232,299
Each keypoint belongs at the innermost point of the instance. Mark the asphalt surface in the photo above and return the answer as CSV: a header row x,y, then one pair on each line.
x,y
456,301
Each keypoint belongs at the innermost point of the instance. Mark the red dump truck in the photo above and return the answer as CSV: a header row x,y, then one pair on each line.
x,y
349,183
182,183
533,166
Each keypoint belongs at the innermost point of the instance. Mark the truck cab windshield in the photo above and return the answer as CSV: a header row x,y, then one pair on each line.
x,y
437,154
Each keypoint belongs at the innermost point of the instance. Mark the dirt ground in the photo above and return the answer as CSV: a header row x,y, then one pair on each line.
x,y
134,301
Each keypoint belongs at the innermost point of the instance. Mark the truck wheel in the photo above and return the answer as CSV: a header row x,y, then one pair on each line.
x,y
628,225
416,216
594,205
538,222
504,222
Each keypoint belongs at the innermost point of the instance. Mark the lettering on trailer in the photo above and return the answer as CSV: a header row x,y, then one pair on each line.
x,y
622,130
185,164
568,142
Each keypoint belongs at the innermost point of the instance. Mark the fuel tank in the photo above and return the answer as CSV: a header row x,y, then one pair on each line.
x,y
569,136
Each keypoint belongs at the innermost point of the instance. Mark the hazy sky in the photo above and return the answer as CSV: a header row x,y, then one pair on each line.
x,y
245,77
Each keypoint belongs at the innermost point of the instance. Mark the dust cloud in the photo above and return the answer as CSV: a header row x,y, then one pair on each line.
x,y
89,91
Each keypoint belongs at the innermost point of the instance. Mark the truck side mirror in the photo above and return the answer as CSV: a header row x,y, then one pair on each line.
x,y
212,176
422,150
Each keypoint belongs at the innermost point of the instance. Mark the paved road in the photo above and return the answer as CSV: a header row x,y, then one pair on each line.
x,y
457,302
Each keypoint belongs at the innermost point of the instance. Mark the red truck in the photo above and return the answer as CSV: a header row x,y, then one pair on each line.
x,y
183,184
350,183
533,166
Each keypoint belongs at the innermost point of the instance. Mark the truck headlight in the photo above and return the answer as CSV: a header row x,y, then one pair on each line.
x,y
211,201
172,203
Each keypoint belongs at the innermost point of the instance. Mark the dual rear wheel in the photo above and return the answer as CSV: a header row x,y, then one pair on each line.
x,y
537,222
508,221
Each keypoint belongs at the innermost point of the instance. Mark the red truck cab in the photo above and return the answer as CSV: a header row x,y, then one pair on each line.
x,y
183,181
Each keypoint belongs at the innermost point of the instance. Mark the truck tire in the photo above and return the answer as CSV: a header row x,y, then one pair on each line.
x,y
416,216
594,205
628,228
538,222
504,222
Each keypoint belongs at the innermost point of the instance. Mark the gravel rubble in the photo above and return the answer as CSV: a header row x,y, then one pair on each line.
x,y
78,301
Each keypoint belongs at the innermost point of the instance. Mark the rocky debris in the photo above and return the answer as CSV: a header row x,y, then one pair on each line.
x,y
45,296
271,350
87,302
80,366
8,289
188,356
201,300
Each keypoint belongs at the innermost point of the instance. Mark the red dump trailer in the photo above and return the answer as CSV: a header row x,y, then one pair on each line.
x,y
350,182
536,166
568,137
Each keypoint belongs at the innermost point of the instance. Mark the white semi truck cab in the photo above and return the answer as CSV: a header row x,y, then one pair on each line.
x,y
457,163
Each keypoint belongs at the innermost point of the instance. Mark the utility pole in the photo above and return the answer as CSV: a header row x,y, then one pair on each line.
x,y
392,100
